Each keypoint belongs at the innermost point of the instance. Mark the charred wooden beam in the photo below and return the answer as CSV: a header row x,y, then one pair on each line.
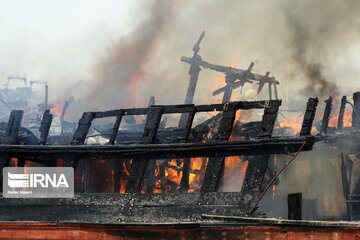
x,y
194,75
45,127
326,117
79,138
356,111
254,175
175,150
184,184
115,128
182,108
256,169
216,164
269,118
138,168
188,124
309,116
11,137
83,128
13,126
340,123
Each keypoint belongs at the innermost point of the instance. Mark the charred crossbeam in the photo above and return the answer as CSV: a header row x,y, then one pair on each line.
x,y
175,150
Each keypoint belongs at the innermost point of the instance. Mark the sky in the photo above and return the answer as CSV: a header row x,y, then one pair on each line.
x,y
44,40
121,52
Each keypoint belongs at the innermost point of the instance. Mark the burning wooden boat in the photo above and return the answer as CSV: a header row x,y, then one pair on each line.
x,y
140,212
170,184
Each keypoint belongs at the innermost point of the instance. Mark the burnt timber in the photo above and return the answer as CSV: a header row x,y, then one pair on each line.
x,y
131,208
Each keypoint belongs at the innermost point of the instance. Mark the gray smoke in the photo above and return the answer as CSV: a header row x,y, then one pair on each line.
x,y
308,46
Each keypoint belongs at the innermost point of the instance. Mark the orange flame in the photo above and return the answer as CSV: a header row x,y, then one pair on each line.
x,y
57,109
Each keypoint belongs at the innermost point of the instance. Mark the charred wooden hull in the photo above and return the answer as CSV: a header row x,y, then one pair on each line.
x,y
256,229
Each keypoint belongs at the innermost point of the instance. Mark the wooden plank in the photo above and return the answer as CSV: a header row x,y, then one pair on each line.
x,y
257,166
188,124
269,118
11,135
79,138
83,128
309,116
13,127
325,121
356,111
181,108
124,208
116,128
176,150
138,168
254,175
340,122
45,127
216,164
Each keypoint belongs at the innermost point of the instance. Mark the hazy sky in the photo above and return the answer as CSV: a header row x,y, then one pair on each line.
x,y
39,37
131,49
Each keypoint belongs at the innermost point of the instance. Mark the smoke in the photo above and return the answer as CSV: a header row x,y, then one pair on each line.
x,y
316,28
308,46
120,74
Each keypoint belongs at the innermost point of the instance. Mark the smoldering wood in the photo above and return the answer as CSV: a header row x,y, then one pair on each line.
x,y
83,128
184,184
11,137
118,168
175,150
138,168
13,126
45,127
356,111
194,75
340,123
326,117
309,117
254,176
269,118
216,164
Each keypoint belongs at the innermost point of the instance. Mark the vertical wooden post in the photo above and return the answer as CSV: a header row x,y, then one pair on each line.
x,y
356,111
309,117
216,164
326,117
340,123
79,138
116,128
294,206
45,127
138,166
257,165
